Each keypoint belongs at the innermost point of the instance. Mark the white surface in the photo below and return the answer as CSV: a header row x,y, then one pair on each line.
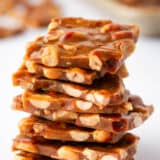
x,y
144,68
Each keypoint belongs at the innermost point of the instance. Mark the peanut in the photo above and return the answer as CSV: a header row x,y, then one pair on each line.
x,y
50,56
79,136
90,120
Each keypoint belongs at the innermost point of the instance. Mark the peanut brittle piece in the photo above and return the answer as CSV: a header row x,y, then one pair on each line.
x,y
75,75
37,127
10,26
6,5
109,90
115,123
52,101
89,44
123,150
30,156
35,13
141,3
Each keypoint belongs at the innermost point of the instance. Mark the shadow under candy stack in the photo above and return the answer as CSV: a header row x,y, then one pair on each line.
x,y
74,91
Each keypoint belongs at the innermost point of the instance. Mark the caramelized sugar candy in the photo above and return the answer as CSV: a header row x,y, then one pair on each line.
x,y
36,13
38,127
17,15
86,60
82,121
116,123
54,101
82,43
30,156
123,150
141,2
110,90
76,75
10,26
6,5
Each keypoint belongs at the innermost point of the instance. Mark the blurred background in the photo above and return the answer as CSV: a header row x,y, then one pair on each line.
x,y
28,19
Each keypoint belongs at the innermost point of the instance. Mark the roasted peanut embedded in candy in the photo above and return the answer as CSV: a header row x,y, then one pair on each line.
x,y
108,157
51,38
50,56
64,115
38,128
75,76
123,154
79,136
67,153
41,104
37,112
100,135
71,91
30,66
95,62
73,36
90,120
137,121
110,27
53,25
83,105
90,154
52,74
101,99
128,106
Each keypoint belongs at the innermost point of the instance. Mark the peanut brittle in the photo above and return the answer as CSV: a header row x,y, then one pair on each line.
x,y
30,156
109,90
89,44
17,15
6,5
115,123
37,127
10,26
35,13
122,150
141,3
53,101
75,75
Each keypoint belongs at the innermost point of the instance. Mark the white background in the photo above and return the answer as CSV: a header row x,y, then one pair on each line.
x,y
144,79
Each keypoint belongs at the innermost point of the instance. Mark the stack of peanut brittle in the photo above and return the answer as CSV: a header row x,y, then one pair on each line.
x,y
74,91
